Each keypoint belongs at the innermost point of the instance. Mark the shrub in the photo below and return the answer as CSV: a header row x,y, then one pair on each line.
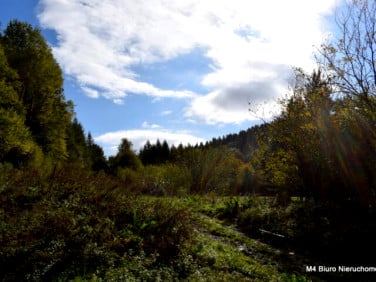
x,y
72,222
164,180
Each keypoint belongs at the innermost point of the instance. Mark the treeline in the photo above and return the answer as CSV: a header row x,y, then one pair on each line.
x,y
162,170
321,146
39,130
245,142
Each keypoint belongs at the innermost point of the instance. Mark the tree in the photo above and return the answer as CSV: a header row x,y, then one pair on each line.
x,y
165,152
155,154
47,114
298,159
95,155
76,143
320,147
211,169
351,57
145,153
16,144
350,60
125,157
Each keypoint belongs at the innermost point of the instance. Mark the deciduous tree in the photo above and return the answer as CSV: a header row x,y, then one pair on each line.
x,y
47,113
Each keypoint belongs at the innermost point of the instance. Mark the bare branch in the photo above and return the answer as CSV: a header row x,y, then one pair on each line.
x,y
350,59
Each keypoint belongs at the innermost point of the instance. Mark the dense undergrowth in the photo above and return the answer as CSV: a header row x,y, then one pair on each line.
x,y
301,234
72,222
72,225
331,235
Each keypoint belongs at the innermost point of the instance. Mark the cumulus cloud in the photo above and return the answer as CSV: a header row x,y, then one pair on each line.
x,y
250,44
254,98
100,41
111,140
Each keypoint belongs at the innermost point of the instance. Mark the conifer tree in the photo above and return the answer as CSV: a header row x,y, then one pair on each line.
x,y
95,155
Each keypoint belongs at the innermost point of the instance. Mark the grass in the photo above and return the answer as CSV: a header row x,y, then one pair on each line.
x,y
84,227
218,252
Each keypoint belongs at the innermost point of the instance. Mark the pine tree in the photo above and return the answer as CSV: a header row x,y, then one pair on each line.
x,y
95,155
76,143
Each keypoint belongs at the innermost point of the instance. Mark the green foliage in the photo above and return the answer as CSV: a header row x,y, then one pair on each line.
x,y
125,158
95,156
164,225
47,113
320,147
16,142
164,180
247,181
9,85
211,169
83,151
76,143
70,222
155,154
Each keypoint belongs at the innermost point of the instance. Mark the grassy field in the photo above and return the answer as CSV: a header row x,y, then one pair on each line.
x,y
216,252
81,227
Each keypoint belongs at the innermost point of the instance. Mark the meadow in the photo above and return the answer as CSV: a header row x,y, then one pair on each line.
x,y
85,227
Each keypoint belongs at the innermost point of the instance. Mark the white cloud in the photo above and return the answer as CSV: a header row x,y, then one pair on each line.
x,y
100,41
145,124
251,45
110,141
92,93
230,103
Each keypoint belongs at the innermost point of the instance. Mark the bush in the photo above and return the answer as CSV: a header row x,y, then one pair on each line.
x,y
164,180
72,222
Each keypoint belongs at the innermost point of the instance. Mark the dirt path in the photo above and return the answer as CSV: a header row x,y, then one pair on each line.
x,y
236,257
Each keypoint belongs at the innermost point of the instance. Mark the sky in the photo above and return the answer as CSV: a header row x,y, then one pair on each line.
x,y
180,71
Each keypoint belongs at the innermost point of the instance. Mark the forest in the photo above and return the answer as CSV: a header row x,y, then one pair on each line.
x,y
291,199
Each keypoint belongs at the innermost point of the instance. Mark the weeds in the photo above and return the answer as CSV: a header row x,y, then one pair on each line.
x,y
79,223
71,224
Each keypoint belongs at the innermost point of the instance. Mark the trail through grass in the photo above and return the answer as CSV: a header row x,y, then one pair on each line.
x,y
233,256
219,252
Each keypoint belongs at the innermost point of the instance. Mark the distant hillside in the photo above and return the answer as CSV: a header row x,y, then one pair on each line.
x,y
245,141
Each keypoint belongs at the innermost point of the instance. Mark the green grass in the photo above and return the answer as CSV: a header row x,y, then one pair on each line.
x,y
78,226
217,252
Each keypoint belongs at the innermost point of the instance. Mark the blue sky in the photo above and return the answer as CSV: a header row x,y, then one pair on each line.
x,y
183,71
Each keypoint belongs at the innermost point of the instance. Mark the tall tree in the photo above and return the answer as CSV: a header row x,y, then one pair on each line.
x,y
320,147
76,143
95,155
350,60
155,154
291,158
47,114
125,157
16,144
